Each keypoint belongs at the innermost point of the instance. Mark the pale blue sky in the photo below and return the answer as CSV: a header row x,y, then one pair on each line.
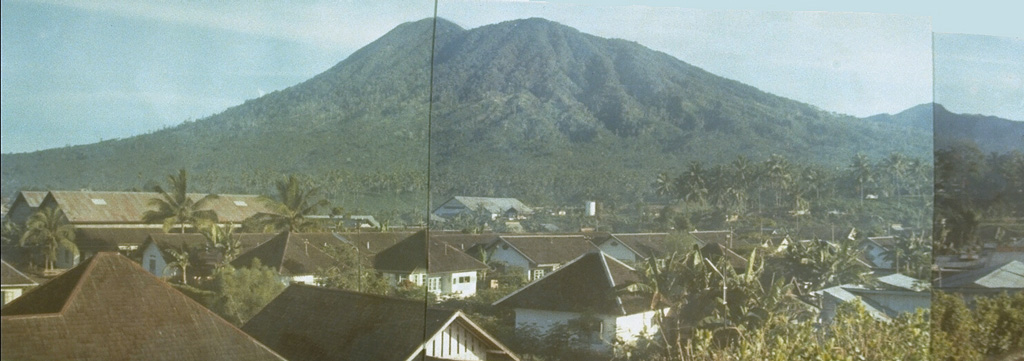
x,y
76,72
976,74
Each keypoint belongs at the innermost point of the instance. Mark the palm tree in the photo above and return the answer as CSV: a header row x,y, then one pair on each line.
x,y
663,185
897,165
862,171
48,230
175,207
291,207
223,239
181,261
777,169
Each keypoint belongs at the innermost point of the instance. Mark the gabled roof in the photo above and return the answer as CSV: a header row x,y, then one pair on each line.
x,y
11,277
166,241
89,207
106,239
884,300
645,245
493,205
292,254
314,323
587,284
371,243
1005,275
723,237
417,252
109,308
548,249
465,242
31,198
715,250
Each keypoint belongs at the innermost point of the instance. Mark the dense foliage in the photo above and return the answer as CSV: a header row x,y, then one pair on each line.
x,y
994,326
974,189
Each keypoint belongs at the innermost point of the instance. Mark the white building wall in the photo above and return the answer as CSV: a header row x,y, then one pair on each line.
x,y
153,260
456,343
628,327
461,289
9,294
541,320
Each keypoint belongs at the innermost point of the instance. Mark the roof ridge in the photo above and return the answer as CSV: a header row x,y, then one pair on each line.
x,y
362,294
85,272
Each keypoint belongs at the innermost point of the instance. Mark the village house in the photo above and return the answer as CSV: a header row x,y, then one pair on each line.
x,y
109,308
584,292
506,208
125,209
633,248
112,221
891,296
154,254
306,323
14,283
444,270
472,244
368,244
295,256
23,205
1003,277
538,255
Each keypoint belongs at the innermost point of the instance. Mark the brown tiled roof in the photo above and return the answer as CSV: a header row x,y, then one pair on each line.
x,y
88,207
588,284
417,253
464,241
108,239
109,308
313,323
645,244
550,249
371,243
11,277
720,237
292,254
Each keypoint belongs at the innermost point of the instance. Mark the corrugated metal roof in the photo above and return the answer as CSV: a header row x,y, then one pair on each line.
x,y
89,207
493,205
903,282
1006,275
32,198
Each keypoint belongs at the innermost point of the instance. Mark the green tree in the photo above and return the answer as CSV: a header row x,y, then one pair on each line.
x,y
351,271
182,261
863,173
223,239
48,231
290,209
897,166
176,207
238,294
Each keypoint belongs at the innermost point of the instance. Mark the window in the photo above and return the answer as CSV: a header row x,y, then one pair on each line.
x,y
461,280
537,273
99,201
152,264
434,284
241,204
